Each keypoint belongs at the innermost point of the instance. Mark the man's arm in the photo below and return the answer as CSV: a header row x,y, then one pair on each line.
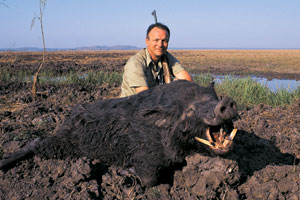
x,y
140,89
183,75
178,71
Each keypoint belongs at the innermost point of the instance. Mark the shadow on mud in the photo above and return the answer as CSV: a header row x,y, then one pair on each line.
x,y
254,153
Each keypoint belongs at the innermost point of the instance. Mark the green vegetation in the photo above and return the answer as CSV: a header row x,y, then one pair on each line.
x,y
96,78
17,76
247,92
203,79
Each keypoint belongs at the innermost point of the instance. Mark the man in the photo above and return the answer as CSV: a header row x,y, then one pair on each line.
x,y
145,69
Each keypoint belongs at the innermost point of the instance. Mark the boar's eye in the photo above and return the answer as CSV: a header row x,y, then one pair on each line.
x,y
188,112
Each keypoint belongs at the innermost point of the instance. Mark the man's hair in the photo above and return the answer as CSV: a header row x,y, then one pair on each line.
x,y
158,25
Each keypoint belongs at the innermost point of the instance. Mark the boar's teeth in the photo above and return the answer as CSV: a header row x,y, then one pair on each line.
x,y
221,131
223,143
222,135
232,134
229,139
209,136
205,142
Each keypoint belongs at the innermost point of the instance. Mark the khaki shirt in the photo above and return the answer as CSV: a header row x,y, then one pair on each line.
x,y
140,71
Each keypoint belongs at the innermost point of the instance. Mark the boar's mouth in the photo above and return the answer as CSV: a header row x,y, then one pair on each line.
x,y
220,133
219,140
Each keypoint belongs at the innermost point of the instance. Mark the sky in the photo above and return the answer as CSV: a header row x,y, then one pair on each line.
x,y
193,23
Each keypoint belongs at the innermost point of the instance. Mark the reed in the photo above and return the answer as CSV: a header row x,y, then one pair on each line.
x,y
18,76
73,77
97,78
247,92
93,78
203,79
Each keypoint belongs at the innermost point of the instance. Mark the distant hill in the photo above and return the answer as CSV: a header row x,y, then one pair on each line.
x,y
117,47
91,48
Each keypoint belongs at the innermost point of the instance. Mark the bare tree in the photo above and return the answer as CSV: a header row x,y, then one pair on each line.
x,y
40,18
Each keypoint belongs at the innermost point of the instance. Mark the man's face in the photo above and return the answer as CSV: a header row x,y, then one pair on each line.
x,y
157,43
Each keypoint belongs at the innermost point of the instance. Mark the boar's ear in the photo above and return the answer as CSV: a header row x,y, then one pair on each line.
x,y
212,87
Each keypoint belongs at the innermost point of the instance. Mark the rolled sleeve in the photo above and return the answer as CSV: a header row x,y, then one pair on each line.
x,y
175,64
134,73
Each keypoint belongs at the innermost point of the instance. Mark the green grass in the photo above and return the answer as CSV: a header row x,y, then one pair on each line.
x,y
203,79
247,92
18,76
97,78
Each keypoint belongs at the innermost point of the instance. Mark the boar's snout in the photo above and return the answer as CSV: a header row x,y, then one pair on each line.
x,y
226,109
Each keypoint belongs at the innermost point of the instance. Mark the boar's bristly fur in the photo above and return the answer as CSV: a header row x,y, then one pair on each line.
x,y
147,132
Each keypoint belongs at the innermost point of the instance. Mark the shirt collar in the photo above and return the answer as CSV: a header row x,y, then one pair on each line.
x,y
149,59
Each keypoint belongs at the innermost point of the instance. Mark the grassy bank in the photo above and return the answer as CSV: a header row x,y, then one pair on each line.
x,y
96,78
245,91
99,67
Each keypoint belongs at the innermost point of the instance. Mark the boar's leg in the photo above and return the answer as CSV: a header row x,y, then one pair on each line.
x,y
22,154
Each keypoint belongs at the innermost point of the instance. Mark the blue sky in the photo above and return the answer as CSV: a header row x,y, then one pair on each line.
x,y
193,23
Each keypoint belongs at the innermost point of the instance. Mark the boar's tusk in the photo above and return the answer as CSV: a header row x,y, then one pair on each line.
x,y
221,135
229,139
232,134
216,146
209,136
205,142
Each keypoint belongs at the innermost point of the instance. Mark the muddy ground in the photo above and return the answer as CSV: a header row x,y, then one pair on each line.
x,y
264,163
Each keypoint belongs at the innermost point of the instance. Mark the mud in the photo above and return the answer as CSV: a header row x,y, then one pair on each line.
x,y
264,163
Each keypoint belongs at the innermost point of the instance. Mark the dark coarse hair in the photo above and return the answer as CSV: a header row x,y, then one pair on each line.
x,y
158,25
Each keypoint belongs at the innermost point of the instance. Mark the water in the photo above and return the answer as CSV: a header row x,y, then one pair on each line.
x,y
274,84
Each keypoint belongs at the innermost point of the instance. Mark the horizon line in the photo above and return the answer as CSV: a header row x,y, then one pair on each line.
x,y
132,47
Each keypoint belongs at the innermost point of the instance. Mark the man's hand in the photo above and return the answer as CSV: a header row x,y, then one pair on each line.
x,y
181,75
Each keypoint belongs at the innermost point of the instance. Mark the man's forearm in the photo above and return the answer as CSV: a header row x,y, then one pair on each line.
x,y
184,75
140,89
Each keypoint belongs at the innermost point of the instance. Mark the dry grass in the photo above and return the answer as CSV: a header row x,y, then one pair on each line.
x,y
79,57
225,61
276,61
